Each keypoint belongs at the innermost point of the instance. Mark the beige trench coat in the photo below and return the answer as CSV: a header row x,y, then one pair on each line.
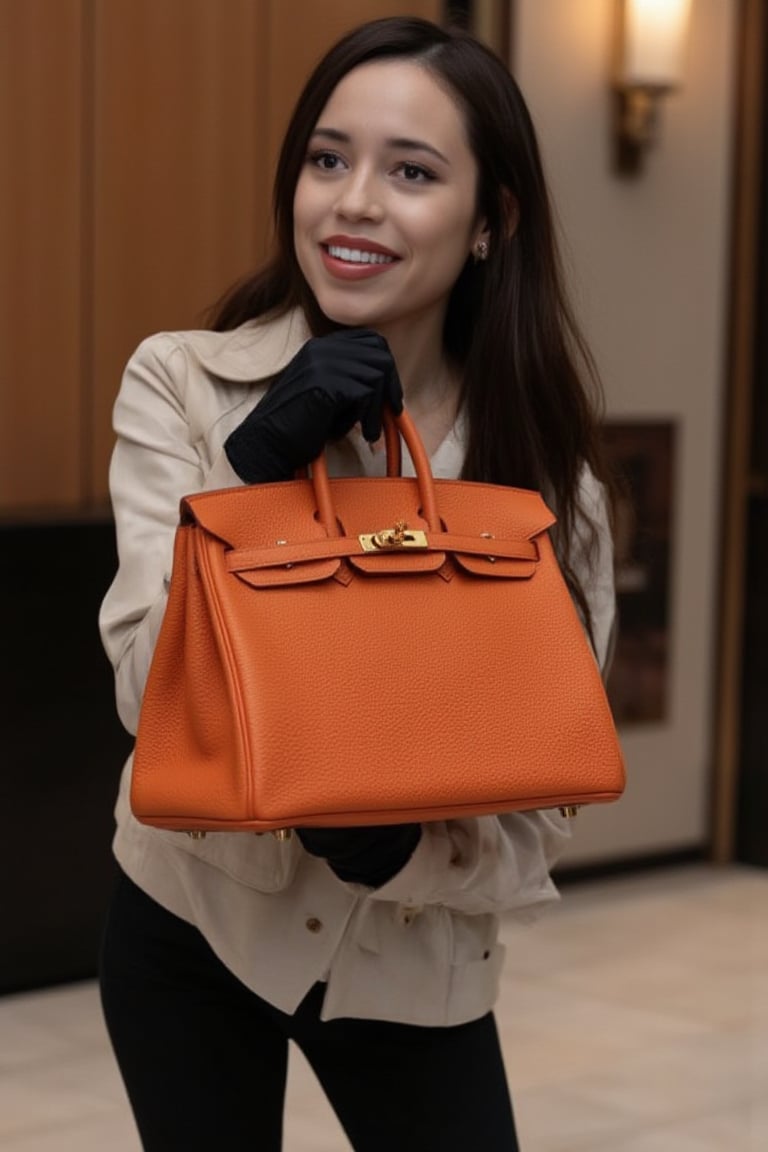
x,y
421,949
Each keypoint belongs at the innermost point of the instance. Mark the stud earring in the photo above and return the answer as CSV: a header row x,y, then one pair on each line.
x,y
481,251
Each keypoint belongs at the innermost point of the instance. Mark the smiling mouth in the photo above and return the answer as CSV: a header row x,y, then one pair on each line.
x,y
357,255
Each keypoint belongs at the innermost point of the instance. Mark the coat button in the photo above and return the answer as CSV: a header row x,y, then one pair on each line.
x,y
314,925
407,913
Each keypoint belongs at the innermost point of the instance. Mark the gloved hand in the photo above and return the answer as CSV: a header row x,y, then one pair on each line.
x,y
331,383
363,855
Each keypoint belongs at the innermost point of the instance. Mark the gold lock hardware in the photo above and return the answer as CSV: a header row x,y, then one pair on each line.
x,y
196,835
282,834
569,811
390,539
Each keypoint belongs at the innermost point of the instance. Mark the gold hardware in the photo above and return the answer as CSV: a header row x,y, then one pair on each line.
x,y
282,834
389,539
569,811
196,835
488,536
279,542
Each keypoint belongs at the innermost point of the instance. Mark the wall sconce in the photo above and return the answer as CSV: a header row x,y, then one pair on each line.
x,y
648,66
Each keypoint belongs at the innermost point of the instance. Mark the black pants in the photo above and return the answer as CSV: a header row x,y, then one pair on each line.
x,y
204,1060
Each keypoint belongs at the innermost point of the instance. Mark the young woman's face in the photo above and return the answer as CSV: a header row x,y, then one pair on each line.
x,y
385,211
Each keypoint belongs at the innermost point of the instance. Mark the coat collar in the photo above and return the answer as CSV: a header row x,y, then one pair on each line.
x,y
255,351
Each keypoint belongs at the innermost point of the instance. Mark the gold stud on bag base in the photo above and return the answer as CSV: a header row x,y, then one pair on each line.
x,y
284,834
281,834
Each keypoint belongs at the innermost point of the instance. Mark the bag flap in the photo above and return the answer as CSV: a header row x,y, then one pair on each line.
x,y
276,526
469,508
257,515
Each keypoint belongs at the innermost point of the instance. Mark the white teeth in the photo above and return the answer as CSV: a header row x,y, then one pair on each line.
x,y
359,255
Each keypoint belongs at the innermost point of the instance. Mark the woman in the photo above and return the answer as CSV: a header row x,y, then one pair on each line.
x,y
414,256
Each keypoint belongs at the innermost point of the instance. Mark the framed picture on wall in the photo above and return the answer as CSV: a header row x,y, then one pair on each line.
x,y
642,456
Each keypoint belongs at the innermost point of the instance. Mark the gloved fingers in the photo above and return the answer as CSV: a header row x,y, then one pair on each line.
x,y
355,345
371,419
367,337
349,406
393,391
369,855
332,383
388,394
333,841
347,351
340,379
323,416
342,842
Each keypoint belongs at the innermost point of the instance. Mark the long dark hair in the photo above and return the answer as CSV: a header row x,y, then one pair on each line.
x,y
530,390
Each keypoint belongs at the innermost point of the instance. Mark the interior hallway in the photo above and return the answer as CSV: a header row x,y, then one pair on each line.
x,y
634,1018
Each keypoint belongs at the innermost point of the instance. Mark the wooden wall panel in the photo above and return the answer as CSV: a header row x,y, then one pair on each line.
x,y
40,242
180,175
142,135
191,99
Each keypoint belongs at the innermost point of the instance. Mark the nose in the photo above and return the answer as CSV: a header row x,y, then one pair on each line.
x,y
359,196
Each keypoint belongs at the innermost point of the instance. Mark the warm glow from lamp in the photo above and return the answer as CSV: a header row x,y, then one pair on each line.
x,y
654,37
648,64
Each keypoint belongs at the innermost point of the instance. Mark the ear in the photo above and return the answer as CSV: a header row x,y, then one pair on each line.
x,y
481,235
481,239
510,218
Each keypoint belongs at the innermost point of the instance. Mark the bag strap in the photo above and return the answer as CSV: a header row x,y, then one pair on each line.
x,y
394,428
394,454
253,559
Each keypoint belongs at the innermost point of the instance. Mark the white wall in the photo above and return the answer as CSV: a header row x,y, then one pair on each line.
x,y
649,258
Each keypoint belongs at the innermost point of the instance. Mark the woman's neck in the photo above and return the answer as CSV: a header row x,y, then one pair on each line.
x,y
430,383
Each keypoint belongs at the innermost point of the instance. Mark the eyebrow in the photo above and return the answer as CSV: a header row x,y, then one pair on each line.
x,y
392,142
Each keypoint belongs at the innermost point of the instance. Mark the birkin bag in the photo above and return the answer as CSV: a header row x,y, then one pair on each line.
x,y
368,651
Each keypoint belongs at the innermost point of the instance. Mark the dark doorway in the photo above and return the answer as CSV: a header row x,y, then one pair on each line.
x,y
63,748
752,811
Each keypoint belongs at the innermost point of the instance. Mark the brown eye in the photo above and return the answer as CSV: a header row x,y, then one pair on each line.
x,y
415,173
326,161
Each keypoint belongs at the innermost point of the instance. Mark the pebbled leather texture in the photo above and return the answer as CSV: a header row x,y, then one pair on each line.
x,y
300,681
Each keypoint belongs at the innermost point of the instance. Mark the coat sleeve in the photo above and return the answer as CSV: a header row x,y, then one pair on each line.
x,y
155,462
502,863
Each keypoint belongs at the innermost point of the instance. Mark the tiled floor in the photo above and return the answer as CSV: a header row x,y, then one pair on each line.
x,y
634,1018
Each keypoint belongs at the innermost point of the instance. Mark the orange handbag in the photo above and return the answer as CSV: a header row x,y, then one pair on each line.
x,y
368,651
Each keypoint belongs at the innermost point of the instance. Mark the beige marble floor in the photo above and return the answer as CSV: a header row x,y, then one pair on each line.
x,y
634,1018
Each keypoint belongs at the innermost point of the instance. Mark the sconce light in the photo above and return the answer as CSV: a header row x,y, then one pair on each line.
x,y
650,40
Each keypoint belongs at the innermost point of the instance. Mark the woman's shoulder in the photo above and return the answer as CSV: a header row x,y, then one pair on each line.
x,y
254,350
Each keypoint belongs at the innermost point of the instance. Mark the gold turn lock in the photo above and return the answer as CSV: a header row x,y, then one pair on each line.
x,y
569,811
389,539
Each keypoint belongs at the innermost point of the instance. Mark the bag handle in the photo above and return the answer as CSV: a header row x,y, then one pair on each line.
x,y
394,428
394,454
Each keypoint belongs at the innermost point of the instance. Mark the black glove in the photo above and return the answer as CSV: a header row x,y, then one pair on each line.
x,y
363,855
331,383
